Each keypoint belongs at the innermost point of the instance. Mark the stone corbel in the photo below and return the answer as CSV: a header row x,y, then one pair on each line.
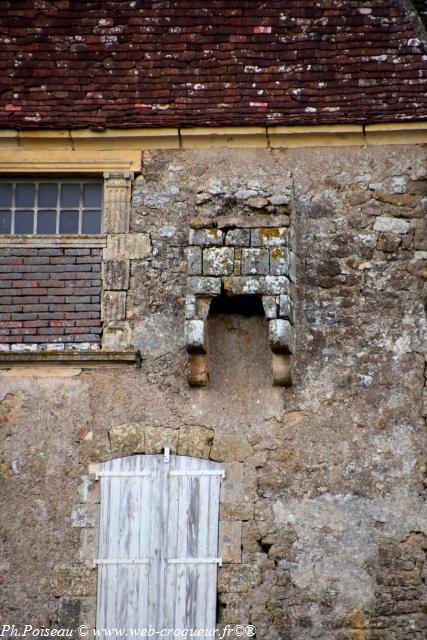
x,y
279,313
197,309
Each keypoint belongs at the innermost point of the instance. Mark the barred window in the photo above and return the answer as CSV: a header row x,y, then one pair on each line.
x,y
51,207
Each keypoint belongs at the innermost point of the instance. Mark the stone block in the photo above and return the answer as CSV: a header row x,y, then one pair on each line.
x,y
232,484
270,306
190,307
218,261
275,285
88,612
286,307
391,225
238,238
198,374
84,516
261,285
69,613
257,202
113,306
115,274
127,438
204,286
127,246
252,222
202,307
194,261
157,438
206,237
195,338
233,611
255,262
269,237
244,194
280,199
281,337
230,542
420,239
292,267
279,261
237,510
73,580
88,545
201,222
388,242
94,452
194,440
117,336
281,368
238,578
424,403
228,447
89,490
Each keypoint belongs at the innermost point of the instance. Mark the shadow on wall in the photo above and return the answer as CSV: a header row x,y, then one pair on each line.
x,y
240,385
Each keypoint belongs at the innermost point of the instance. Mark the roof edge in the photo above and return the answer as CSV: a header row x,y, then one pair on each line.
x,y
417,23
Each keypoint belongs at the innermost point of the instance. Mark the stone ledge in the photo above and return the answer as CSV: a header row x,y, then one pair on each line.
x,y
73,357
43,242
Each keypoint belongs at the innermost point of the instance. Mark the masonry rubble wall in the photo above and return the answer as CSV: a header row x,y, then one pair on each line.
x,y
323,519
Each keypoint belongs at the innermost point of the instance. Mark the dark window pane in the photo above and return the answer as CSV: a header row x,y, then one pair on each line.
x,y
5,194
25,194
69,222
47,195
91,221
92,195
5,219
70,195
46,221
24,221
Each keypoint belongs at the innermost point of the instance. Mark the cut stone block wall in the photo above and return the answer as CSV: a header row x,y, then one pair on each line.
x,y
325,480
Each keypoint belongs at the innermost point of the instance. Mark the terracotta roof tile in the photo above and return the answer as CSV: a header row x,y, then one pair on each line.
x,y
69,63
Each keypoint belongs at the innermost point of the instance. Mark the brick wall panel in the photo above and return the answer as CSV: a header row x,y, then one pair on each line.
x,y
53,298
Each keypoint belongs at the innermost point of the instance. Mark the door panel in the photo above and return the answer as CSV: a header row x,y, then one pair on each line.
x,y
158,543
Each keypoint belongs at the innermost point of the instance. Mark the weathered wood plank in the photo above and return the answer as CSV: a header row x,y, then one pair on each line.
x,y
161,517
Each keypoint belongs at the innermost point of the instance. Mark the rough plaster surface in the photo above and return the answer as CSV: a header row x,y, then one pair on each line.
x,y
327,477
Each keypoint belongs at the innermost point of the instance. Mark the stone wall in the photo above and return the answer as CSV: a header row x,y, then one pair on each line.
x,y
323,518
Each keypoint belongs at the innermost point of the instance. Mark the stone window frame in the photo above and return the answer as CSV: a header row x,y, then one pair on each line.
x,y
118,248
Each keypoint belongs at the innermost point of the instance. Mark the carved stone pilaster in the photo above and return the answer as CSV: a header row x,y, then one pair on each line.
x,y
117,201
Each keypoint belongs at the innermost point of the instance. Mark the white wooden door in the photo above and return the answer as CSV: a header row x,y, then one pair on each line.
x,y
158,543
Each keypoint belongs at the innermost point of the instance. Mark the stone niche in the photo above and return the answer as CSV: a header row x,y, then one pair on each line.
x,y
241,256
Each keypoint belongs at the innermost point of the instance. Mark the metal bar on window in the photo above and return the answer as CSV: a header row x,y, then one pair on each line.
x,y
35,209
14,209
12,227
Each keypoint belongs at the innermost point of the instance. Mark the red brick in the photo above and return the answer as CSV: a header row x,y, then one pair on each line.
x,y
23,331
87,323
10,324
